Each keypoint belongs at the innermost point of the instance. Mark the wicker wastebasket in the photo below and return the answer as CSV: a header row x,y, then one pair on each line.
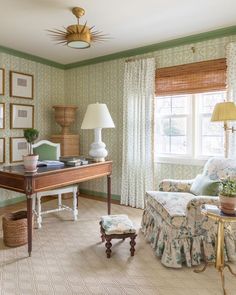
x,y
15,229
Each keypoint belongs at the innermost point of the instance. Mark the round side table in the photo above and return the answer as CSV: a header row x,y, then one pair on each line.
x,y
213,212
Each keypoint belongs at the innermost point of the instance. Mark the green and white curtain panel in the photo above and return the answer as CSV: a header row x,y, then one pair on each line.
x,y
231,90
137,158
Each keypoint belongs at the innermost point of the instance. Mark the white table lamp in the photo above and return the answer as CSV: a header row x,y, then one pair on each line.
x,y
97,117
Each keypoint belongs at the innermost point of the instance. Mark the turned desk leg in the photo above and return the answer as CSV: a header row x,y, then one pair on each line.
x,y
109,194
29,223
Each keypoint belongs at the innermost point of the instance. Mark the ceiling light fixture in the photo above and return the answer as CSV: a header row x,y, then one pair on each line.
x,y
77,36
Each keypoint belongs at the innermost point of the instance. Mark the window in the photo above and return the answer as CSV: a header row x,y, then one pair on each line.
x,y
210,135
173,114
183,128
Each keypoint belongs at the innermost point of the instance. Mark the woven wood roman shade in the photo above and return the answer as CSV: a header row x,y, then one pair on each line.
x,y
191,78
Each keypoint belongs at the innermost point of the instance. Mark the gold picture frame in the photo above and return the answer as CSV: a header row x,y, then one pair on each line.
x,y
2,150
21,85
2,81
18,149
21,116
2,115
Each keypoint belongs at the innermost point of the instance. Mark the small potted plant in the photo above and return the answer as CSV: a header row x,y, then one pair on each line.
x,y
30,161
228,195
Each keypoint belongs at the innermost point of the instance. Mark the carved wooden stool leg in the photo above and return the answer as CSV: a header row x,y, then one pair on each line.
x,y
108,246
132,244
102,233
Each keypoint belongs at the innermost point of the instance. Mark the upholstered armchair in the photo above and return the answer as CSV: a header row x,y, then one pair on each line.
x,y
172,221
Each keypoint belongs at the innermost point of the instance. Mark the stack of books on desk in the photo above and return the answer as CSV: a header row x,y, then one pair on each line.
x,y
49,163
211,208
74,161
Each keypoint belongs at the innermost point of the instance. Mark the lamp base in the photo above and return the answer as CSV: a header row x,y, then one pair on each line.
x,y
98,151
99,159
98,148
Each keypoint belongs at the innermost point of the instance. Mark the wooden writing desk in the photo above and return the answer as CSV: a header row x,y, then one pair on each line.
x,y
16,179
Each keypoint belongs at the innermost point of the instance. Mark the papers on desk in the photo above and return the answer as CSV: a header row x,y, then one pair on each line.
x,y
49,163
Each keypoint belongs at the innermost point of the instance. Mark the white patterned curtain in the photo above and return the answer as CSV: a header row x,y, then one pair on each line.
x,y
137,160
231,90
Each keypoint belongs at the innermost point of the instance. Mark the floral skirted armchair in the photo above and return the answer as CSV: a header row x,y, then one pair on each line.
x,y
173,224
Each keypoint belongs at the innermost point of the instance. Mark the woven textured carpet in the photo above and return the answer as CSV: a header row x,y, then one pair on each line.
x,y
68,258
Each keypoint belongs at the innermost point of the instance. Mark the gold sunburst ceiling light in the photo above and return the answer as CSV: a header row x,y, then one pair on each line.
x,y
77,36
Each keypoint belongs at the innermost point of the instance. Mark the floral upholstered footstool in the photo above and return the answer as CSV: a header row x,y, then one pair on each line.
x,y
117,227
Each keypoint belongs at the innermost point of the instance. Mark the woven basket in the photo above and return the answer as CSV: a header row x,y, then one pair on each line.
x,y
15,229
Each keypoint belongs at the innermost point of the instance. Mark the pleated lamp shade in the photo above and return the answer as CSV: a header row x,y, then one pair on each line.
x,y
97,116
224,111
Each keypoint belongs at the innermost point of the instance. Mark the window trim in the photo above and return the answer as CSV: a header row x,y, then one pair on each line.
x,y
194,157
189,135
181,161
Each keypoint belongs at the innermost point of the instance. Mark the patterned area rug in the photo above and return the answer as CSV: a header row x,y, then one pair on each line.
x,y
68,258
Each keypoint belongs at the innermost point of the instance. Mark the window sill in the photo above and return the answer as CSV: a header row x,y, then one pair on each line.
x,y
181,161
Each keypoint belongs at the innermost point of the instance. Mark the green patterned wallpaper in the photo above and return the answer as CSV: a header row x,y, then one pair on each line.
x,y
99,83
48,90
103,82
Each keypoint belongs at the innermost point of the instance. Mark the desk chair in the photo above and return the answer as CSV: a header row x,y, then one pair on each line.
x,y
51,151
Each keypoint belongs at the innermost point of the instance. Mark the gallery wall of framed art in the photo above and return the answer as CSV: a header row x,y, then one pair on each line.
x,y
21,85
2,81
19,116
18,149
42,91
2,115
28,90
2,150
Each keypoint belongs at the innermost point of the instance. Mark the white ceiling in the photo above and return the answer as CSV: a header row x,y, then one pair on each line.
x,y
130,23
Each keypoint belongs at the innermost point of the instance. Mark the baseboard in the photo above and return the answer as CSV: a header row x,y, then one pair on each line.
x,y
115,198
98,194
12,201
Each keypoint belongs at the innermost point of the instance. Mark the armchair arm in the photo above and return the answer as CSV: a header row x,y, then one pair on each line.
x,y
175,185
198,201
196,221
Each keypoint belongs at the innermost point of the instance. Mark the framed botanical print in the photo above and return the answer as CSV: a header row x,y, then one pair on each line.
x,y
2,81
18,149
21,85
2,150
2,115
21,116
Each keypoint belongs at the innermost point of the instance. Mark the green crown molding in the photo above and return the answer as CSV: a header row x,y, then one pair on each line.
x,y
158,46
31,57
127,53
